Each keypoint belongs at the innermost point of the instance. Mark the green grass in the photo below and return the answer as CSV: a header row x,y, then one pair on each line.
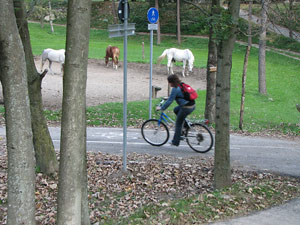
x,y
239,199
275,111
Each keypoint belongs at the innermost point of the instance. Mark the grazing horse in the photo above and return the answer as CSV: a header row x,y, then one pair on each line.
x,y
53,56
114,53
173,55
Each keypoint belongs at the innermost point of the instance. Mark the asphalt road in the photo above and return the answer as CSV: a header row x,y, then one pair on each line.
x,y
255,153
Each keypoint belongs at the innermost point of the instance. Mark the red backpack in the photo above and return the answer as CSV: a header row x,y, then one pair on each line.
x,y
188,92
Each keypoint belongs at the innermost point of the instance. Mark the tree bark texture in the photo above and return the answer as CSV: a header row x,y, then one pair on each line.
x,y
291,3
210,105
262,86
114,11
158,24
244,76
44,149
50,16
72,189
178,23
222,169
20,152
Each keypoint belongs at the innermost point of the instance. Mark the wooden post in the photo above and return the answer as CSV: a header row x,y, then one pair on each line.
x,y
155,89
169,89
143,51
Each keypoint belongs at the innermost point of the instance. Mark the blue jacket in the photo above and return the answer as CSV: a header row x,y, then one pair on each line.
x,y
176,94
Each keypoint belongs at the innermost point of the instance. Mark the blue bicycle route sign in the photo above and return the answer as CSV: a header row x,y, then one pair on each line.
x,y
152,15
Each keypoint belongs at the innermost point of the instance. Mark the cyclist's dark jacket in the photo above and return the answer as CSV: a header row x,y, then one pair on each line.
x,y
176,94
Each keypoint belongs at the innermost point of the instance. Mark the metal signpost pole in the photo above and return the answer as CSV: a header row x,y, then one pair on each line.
x,y
125,89
152,16
123,30
150,81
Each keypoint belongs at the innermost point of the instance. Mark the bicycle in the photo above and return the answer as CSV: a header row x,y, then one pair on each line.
x,y
196,134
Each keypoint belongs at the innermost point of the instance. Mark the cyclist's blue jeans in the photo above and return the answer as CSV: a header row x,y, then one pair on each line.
x,y
181,114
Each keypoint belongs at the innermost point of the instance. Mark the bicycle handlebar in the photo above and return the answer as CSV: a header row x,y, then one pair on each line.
x,y
163,99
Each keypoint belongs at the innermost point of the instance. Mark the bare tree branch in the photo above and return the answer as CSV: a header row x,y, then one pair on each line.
x,y
197,6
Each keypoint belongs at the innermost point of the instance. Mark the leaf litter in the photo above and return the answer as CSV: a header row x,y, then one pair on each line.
x,y
160,182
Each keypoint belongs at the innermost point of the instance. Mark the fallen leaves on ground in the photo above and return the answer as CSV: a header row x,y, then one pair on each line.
x,y
158,181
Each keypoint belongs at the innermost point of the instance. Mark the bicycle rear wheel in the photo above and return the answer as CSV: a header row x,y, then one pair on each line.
x,y
199,138
154,132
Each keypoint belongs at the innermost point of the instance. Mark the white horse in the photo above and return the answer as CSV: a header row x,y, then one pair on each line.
x,y
174,55
53,56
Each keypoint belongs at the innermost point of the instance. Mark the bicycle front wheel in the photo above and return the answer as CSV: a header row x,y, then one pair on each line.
x,y
154,132
199,138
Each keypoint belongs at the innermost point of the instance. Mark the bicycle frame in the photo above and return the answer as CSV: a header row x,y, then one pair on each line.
x,y
165,118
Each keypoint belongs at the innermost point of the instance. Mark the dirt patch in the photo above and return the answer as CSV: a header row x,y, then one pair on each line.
x,y
105,84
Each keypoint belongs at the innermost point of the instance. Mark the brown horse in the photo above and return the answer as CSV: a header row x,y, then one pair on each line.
x,y
114,53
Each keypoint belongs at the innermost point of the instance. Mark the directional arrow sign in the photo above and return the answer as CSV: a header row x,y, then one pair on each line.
x,y
117,30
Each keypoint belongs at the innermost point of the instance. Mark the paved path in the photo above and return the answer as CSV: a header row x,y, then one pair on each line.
x,y
254,153
272,27
286,214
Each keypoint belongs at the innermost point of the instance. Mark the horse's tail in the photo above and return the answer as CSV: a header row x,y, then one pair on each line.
x,y
44,57
163,55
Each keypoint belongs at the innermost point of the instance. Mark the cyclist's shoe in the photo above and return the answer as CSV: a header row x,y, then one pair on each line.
x,y
172,144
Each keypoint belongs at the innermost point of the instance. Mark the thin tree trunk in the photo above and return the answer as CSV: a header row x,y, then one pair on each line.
x,y
50,16
158,24
222,169
178,23
44,149
21,161
114,11
244,77
262,87
72,189
291,3
210,105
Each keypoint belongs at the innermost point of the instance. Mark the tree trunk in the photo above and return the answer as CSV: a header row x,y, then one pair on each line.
x,y
262,87
50,16
210,105
178,23
244,76
21,161
44,149
222,170
114,11
158,24
291,3
72,189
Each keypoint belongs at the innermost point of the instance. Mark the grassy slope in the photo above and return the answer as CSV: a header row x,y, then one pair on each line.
x,y
276,110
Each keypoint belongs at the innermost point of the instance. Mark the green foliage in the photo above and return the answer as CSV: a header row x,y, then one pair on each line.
x,y
59,10
282,42
222,24
139,17
193,20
